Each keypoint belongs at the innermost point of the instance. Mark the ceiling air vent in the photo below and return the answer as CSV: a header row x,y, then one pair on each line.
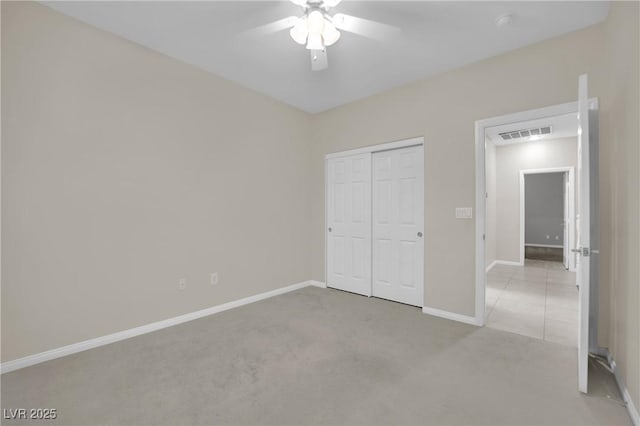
x,y
518,134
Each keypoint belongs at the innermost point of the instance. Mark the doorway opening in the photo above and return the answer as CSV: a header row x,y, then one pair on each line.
x,y
547,222
510,128
529,171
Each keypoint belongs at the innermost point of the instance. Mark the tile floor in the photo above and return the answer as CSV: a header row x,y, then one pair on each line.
x,y
539,299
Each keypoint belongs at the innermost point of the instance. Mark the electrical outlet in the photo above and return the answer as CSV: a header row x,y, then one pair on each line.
x,y
182,284
214,278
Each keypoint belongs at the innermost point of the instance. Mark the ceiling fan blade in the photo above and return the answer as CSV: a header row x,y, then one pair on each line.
x,y
331,3
302,3
364,27
273,27
319,60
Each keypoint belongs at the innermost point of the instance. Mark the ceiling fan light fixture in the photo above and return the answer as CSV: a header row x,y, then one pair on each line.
x,y
314,42
329,34
316,29
338,20
315,22
300,31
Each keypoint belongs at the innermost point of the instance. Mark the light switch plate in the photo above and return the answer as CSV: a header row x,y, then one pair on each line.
x,y
464,212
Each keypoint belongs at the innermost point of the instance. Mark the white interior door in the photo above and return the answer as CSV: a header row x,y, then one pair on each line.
x,y
349,223
398,225
583,232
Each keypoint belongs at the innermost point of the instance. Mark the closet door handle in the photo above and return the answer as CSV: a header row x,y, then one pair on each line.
x,y
329,229
420,234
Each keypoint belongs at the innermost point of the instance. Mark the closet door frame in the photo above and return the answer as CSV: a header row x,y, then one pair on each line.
x,y
405,143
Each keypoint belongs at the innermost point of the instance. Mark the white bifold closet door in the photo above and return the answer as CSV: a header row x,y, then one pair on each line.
x,y
398,225
349,223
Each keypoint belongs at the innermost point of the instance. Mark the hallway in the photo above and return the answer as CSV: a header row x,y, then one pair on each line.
x,y
539,299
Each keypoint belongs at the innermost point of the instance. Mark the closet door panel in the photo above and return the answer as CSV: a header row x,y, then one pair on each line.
x,y
398,209
349,223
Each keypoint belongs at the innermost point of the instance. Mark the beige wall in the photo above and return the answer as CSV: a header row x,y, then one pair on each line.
x,y
490,203
123,171
510,160
444,108
619,196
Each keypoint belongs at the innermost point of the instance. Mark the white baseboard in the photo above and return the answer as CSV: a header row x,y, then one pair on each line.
x,y
491,265
502,262
631,408
148,328
450,316
317,284
508,263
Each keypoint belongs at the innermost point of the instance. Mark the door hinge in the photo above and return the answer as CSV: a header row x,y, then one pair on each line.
x,y
484,237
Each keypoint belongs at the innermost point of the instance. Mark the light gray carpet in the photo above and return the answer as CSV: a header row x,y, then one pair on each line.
x,y
317,356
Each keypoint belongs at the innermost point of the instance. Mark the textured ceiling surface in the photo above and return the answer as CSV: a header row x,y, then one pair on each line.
x,y
433,37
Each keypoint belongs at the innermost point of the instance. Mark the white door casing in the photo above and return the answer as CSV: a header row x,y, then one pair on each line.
x,y
349,223
583,232
398,225
567,222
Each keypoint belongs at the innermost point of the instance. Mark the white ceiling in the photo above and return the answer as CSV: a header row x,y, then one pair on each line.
x,y
434,37
562,126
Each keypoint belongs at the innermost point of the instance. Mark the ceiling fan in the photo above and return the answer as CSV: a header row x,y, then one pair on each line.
x,y
318,29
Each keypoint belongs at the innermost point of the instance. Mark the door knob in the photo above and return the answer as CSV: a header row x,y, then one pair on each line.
x,y
329,229
420,234
585,251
